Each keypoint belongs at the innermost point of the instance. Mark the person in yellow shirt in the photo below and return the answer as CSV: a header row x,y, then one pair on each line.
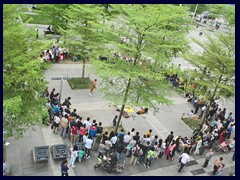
x,y
92,86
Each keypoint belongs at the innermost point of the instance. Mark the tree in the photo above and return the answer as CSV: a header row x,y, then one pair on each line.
x,y
22,75
141,31
200,9
84,33
55,12
215,68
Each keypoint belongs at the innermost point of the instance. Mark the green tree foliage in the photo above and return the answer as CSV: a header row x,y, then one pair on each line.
x,y
55,12
216,10
215,67
229,15
84,32
22,74
200,9
141,31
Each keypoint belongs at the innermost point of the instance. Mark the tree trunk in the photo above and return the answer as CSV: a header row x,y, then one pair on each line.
x,y
211,100
4,152
123,105
83,70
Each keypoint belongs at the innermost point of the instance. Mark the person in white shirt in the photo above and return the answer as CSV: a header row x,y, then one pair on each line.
x,y
87,123
114,142
127,138
56,124
183,160
132,132
88,146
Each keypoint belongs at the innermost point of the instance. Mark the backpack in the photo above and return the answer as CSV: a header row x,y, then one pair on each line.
x,y
136,152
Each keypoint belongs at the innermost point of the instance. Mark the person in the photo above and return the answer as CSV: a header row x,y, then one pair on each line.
x,y
169,138
208,156
120,150
230,130
74,155
82,132
97,141
229,119
99,128
217,164
149,132
74,133
46,93
64,168
145,149
112,133
88,146
231,144
198,146
132,132
93,131
142,111
127,138
220,170
105,137
172,149
74,114
92,86
136,152
233,157
87,123
150,155
184,158
37,34
52,94
154,140
223,136
113,161
115,120
64,126
56,123
67,101
114,142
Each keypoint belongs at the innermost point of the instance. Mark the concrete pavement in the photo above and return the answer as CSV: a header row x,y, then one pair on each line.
x,y
95,107
167,119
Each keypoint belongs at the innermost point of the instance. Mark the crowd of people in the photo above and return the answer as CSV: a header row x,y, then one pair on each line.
x,y
141,149
55,54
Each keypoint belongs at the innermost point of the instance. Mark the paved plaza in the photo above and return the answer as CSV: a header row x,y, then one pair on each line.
x,y
168,118
19,152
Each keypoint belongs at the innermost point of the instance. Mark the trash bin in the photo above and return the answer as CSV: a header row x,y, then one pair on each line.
x,y
59,151
41,153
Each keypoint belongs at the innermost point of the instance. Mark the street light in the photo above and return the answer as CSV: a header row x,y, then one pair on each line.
x,y
195,11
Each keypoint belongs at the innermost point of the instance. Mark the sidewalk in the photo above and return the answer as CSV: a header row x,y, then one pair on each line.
x,y
167,119
95,107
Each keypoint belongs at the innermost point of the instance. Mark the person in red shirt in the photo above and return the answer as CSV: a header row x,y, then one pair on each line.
x,y
74,133
82,132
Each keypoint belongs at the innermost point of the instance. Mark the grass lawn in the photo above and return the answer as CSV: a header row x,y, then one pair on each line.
x,y
192,122
36,19
76,83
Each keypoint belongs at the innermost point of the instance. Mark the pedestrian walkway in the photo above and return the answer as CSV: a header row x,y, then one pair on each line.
x,y
167,119
95,107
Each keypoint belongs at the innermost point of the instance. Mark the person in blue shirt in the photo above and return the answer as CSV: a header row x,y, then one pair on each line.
x,y
229,119
64,168
93,131
121,133
56,109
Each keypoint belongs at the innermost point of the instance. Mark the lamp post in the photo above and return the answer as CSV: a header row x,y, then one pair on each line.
x,y
195,11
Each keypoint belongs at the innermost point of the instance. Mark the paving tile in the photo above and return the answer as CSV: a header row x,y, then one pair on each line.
x,y
198,171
